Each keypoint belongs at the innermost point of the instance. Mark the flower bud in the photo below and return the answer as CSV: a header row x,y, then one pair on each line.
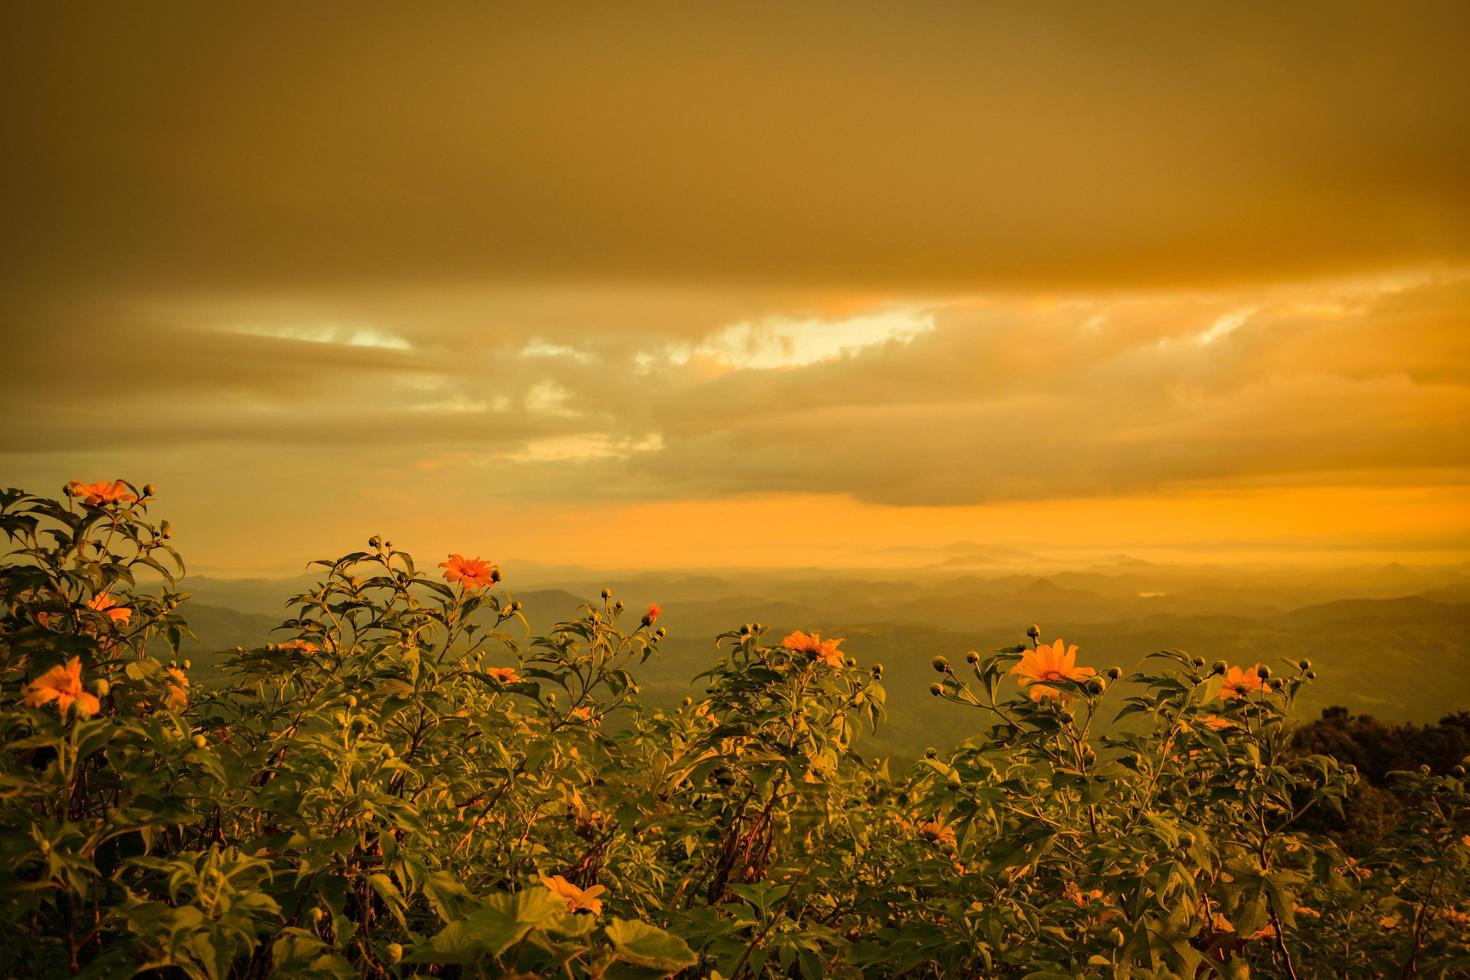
x,y
972,658
1186,841
375,542
1457,771
1114,673
1311,675
619,605
1263,672
660,632
352,700
1304,664
940,665
936,689
166,529
199,741
188,665
931,753
1033,631
1218,667
852,661
495,575
745,630
606,594
877,670
1094,686
395,953
149,490
316,915
100,687
1197,661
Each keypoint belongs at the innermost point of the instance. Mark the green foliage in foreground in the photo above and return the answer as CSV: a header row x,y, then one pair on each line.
x,y
406,788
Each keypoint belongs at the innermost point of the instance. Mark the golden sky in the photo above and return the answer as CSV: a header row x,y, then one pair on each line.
x,y
704,284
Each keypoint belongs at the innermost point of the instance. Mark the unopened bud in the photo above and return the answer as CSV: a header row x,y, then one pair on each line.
x,y
395,953
1094,686
606,594
188,665
1218,667
1197,661
149,490
1263,672
200,741
1114,673
352,700
1033,631
940,665
936,689
375,542
972,658
166,529
660,632
101,686
618,605
1304,664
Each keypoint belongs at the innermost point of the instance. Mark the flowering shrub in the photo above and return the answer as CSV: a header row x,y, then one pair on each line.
x,y
402,785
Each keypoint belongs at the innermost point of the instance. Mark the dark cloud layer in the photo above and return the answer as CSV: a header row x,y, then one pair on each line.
x,y
928,145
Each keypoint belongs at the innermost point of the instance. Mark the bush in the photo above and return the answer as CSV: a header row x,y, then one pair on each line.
x,y
402,787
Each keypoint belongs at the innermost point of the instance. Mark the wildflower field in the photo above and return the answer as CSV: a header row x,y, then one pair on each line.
x,y
404,783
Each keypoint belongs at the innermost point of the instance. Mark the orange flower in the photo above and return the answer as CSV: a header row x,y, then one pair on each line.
x,y
505,675
305,646
64,686
1216,723
470,573
1049,663
1240,682
97,494
577,899
936,832
103,603
584,714
178,695
651,617
820,650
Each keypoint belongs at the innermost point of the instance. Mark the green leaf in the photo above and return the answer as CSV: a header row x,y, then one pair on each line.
x,y
499,923
641,944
